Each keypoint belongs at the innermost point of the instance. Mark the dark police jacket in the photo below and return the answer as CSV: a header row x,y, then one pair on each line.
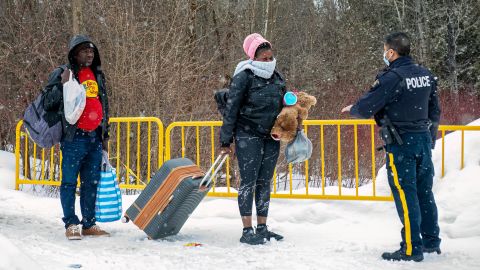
x,y
407,94
253,104
53,102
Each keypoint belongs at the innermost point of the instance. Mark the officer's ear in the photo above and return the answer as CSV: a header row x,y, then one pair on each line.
x,y
390,53
395,53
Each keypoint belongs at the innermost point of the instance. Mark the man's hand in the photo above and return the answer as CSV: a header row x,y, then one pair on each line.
x,y
347,109
65,75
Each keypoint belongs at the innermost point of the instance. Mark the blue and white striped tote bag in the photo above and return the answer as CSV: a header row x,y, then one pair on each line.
x,y
108,206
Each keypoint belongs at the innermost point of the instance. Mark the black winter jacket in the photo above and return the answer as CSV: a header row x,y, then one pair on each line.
x,y
407,93
253,105
53,91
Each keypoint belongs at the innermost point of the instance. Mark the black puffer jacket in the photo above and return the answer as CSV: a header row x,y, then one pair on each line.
x,y
53,91
253,105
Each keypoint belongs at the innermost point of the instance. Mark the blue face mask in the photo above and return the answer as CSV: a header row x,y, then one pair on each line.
x,y
385,58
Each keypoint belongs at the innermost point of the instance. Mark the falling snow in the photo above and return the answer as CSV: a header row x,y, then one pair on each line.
x,y
318,234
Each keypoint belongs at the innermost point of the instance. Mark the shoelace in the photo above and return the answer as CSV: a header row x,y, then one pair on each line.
x,y
74,229
95,228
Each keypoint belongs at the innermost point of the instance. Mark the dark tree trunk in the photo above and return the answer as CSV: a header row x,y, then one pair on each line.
x,y
77,17
451,38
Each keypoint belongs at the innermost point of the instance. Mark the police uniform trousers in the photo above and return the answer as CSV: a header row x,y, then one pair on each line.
x,y
410,176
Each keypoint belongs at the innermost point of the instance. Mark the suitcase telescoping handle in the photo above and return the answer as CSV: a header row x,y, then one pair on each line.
x,y
212,171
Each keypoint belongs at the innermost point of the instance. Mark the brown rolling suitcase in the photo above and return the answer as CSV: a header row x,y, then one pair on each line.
x,y
171,196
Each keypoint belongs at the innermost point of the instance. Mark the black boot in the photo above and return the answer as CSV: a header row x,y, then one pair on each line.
x,y
265,233
400,255
432,250
251,238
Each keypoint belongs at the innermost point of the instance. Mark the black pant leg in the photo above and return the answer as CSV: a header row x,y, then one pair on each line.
x,y
425,172
249,151
262,188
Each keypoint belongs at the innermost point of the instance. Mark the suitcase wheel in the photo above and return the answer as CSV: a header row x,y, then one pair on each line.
x,y
125,219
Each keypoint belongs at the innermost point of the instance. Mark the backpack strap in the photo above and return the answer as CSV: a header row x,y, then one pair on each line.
x,y
250,78
62,69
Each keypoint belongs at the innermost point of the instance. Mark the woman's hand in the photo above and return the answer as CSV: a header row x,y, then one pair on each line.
x,y
226,150
299,123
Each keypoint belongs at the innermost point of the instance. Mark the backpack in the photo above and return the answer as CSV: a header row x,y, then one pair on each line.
x,y
221,98
44,133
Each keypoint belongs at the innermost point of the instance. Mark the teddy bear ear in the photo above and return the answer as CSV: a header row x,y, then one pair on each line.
x,y
314,100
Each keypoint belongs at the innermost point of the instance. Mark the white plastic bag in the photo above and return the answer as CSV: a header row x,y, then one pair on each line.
x,y
74,99
299,150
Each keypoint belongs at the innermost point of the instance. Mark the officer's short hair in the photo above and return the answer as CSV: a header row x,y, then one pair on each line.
x,y
399,42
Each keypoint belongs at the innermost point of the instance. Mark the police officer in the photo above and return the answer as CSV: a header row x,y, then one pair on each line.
x,y
404,102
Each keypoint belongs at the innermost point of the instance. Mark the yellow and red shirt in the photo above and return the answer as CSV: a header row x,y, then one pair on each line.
x,y
92,114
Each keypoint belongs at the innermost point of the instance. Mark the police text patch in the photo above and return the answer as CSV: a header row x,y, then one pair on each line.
x,y
418,82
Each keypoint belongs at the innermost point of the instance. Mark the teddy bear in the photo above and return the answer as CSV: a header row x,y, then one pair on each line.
x,y
287,122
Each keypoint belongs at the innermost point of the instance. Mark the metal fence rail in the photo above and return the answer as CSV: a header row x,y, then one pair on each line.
x,y
139,146
43,166
444,128
226,189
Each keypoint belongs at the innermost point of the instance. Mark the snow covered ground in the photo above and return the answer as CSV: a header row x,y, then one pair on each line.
x,y
318,234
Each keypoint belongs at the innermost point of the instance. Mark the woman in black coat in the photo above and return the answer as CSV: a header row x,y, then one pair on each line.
x,y
255,99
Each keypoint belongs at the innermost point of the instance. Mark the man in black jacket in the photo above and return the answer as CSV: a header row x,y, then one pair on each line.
x,y
404,101
82,141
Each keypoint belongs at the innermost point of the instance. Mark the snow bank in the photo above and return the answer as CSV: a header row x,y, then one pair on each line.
x,y
12,258
7,170
318,234
458,192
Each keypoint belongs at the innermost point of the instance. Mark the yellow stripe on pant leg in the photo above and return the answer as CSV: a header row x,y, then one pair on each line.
x,y
408,235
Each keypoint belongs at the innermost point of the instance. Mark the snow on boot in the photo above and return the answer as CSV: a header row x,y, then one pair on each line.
x,y
265,233
251,238
400,255
73,232
432,250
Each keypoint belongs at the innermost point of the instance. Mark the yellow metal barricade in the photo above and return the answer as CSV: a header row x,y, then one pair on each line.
x,y
342,192
135,149
226,189
445,128
347,172
210,126
146,151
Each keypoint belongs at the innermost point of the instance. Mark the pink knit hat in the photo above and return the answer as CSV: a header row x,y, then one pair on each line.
x,y
251,43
